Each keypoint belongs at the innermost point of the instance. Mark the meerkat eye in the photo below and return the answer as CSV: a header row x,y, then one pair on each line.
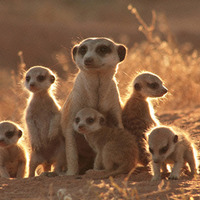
x,y
90,120
28,78
151,150
164,149
153,85
103,49
77,120
9,134
41,78
82,50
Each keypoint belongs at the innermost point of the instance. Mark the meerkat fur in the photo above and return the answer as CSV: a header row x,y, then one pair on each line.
x,y
97,60
43,121
138,114
116,149
171,147
12,154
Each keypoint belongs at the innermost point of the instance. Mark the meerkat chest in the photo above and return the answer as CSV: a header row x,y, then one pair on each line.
x,y
95,91
40,109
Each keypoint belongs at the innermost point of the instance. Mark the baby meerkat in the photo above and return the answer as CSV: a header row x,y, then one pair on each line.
x,y
12,155
116,149
43,121
169,147
138,115
94,87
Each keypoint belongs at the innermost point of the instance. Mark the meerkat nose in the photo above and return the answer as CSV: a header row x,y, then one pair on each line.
x,y
88,61
32,84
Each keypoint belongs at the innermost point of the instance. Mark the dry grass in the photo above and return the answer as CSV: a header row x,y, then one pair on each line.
x,y
176,65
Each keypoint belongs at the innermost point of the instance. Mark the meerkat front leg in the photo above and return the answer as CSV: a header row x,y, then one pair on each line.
x,y
98,165
176,169
54,126
156,171
71,152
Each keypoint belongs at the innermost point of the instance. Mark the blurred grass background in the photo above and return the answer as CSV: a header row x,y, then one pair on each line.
x,y
45,31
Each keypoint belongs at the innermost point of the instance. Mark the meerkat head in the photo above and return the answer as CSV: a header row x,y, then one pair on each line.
x,y
38,79
149,85
9,133
98,53
162,142
88,120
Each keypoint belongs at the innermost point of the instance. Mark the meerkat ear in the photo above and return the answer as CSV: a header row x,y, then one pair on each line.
x,y
137,87
52,78
73,52
102,121
121,52
175,138
19,133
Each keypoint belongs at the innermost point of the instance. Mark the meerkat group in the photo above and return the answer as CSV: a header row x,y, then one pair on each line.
x,y
94,87
92,130
138,114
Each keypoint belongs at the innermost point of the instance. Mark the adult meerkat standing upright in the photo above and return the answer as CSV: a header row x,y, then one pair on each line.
x,y
95,87
116,149
138,115
12,154
43,121
170,147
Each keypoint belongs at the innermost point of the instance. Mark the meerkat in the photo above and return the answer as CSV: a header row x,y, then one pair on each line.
x,y
95,86
116,149
12,154
169,147
138,115
43,121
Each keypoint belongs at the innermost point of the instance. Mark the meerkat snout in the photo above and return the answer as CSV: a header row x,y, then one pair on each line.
x,y
38,79
149,85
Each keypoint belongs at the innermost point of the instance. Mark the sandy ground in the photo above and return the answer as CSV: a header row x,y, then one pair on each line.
x,y
84,187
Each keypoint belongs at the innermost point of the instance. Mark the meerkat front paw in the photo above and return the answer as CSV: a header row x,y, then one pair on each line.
x,y
173,177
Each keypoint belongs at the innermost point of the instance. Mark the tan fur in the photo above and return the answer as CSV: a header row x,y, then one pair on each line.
x,y
43,121
137,114
170,147
12,155
95,87
116,149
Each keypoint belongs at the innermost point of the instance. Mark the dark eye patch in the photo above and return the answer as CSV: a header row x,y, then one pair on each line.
x,y
90,120
153,85
28,78
41,78
151,150
9,134
103,49
77,120
164,149
82,50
